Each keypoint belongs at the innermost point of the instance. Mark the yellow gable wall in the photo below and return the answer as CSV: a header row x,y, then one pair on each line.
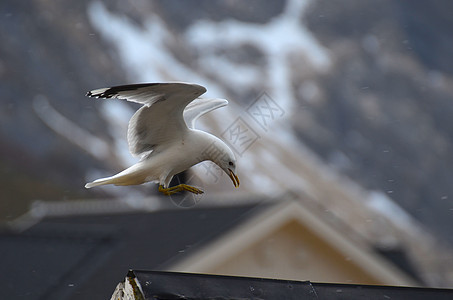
x,y
294,252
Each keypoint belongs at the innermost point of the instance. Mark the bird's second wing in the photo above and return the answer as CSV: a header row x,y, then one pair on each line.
x,y
160,120
199,107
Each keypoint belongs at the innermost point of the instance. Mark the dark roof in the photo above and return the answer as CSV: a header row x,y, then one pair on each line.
x,y
84,257
171,285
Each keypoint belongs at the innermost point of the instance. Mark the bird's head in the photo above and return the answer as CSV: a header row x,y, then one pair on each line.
x,y
229,167
222,156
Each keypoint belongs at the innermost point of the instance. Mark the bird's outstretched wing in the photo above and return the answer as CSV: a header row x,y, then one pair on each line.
x,y
160,119
199,107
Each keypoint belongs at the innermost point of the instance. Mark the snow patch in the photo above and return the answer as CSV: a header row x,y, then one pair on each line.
x,y
145,54
379,202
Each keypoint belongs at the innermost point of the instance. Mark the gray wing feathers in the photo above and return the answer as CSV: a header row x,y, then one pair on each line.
x,y
150,127
137,133
199,107
149,93
146,93
164,114
160,119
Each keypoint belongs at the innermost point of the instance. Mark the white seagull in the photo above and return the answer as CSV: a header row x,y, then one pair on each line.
x,y
162,132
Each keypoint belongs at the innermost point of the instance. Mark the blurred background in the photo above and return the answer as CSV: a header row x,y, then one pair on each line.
x,y
342,108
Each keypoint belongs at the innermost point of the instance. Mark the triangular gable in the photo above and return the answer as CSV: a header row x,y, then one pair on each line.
x,y
288,241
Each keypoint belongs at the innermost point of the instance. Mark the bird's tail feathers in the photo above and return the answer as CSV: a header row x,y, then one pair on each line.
x,y
98,182
129,176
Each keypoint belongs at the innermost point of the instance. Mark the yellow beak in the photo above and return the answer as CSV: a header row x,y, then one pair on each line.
x,y
233,178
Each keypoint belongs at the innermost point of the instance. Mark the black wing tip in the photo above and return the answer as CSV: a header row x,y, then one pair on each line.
x,y
93,95
107,93
127,87
115,90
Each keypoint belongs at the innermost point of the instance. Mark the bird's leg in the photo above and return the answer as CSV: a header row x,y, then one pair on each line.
x,y
170,190
178,188
192,189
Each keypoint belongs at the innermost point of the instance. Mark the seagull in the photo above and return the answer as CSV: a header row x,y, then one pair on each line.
x,y
162,132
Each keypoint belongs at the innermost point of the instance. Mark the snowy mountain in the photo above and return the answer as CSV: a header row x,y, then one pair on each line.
x,y
342,89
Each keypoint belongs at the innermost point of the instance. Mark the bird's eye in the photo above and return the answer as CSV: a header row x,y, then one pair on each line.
x,y
231,163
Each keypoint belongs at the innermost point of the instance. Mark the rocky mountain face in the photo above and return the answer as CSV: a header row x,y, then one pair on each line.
x,y
47,55
365,85
385,108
